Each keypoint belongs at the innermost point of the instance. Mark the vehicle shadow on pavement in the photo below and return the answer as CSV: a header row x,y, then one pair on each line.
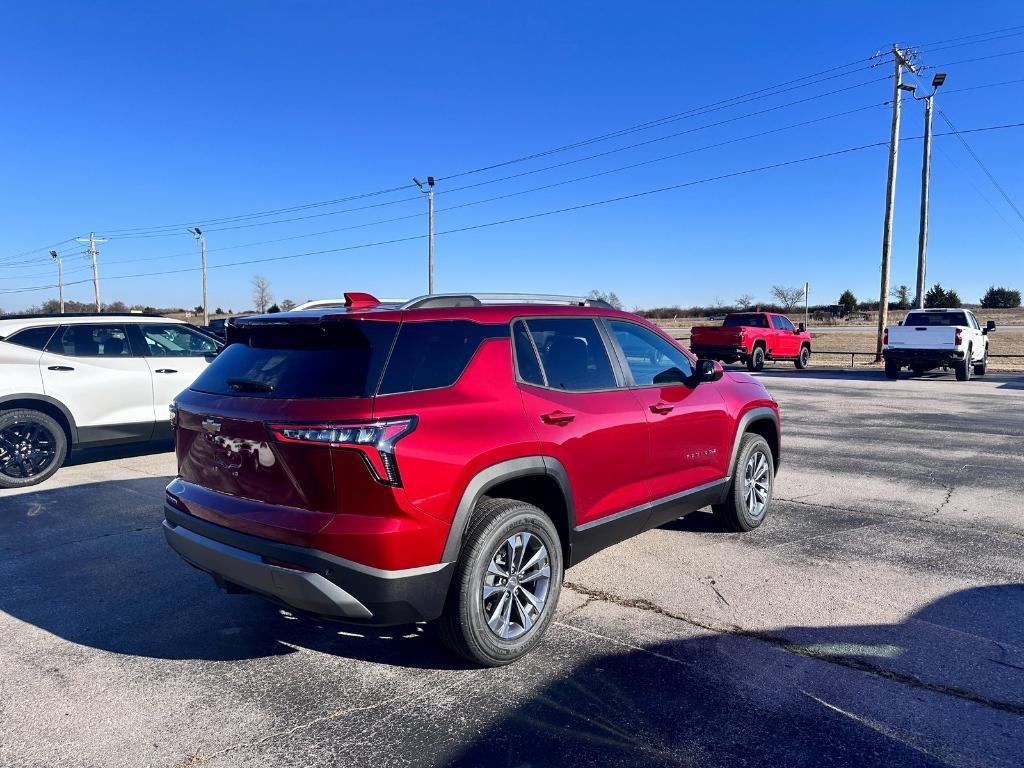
x,y
89,564
107,453
945,684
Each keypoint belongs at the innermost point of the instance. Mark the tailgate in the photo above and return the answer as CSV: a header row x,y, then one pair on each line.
x,y
719,337
922,337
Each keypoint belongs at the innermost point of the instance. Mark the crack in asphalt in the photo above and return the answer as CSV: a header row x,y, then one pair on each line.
x,y
784,644
16,555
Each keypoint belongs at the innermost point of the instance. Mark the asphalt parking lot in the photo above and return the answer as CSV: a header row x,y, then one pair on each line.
x,y
877,618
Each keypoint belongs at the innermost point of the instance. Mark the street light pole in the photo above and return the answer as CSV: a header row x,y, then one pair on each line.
x,y
429,192
60,279
926,172
202,249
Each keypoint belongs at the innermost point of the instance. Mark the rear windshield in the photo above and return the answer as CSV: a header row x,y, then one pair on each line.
x,y
335,359
936,318
750,320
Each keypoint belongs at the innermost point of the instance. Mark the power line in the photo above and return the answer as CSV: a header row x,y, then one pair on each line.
x,y
528,217
929,49
517,193
968,37
761,93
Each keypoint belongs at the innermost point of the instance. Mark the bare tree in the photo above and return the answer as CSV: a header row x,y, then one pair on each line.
x,y
744,301
610,297
788,298
261,295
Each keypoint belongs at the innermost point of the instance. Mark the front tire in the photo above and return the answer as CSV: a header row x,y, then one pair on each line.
x,y
32,447
980,368
506,584
755,360
750,493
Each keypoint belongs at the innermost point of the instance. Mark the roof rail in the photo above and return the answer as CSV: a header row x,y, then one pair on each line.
x,y
437,300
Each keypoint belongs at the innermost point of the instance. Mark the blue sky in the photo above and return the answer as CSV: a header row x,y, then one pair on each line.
x,y
129,115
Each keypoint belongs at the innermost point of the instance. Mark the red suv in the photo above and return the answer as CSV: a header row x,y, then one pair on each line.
x,y
446,459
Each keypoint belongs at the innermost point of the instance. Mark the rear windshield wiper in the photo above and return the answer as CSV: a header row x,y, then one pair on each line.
x,y
249,385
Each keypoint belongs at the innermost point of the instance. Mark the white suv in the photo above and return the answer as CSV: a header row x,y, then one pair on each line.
x,y
76,381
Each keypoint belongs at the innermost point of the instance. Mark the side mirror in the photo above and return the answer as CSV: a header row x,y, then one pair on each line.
x,y
801,328
990,326
708,371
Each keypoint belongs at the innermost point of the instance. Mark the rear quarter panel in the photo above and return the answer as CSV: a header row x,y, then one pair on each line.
x,y
20,367
478,422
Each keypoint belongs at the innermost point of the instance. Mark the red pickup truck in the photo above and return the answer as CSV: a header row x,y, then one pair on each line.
x,y
753,337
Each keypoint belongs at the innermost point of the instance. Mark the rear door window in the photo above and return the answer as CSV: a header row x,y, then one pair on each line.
x,y
176,340
572,354
33,338
433,354
301,360
527,363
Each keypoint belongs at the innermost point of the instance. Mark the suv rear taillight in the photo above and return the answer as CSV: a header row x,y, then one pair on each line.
x,y
885,336
958,339
374,439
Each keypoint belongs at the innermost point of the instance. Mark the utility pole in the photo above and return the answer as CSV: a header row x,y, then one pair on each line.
x,y
807,293
60,279
429,192
202,249
93,252
926,172
890,194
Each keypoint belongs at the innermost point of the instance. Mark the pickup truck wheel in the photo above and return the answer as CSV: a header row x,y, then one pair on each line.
x,y
980,368
803,358
892,369
962,368
755,360
32,447
506,584
750,493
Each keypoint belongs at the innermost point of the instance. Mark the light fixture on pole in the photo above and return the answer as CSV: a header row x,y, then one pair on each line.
x,y
429,192
926,173
202,249
60,279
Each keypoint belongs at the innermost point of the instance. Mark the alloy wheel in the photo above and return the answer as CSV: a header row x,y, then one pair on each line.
x,y
757,484
515,585
26,449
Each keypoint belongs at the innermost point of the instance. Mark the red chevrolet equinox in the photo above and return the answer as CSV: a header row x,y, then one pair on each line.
x,y
446,459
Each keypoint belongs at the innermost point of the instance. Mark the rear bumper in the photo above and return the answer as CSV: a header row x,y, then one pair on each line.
x,y
718,352
923,356
318,583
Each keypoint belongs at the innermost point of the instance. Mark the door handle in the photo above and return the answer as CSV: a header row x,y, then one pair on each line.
x,y
662,408
558,418
165,370
60,368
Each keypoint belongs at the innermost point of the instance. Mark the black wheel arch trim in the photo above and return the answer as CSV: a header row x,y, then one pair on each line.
x,y
493,475
28,398
754,415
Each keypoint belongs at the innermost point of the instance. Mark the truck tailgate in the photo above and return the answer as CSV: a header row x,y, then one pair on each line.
x,y
941,337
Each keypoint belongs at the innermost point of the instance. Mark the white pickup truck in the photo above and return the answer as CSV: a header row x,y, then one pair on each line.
x,y
937,338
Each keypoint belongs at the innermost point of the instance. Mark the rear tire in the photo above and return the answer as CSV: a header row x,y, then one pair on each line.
x,y
755,360
803,359
980,368
479,590
32,447
892,369
962,368
750,493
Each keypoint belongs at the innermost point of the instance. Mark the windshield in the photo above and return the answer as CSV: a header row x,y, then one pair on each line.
x,y
750,320
936,318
